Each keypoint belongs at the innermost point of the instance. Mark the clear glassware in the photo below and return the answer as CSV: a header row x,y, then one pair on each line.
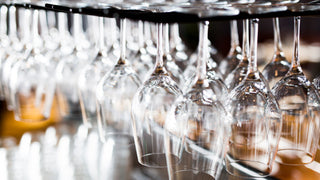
x,y
299,103
239,73
114,96
4,43
169,62
178,49
278,67
69,68
149,108
234,57
89,78
31,86
194,127
212,75
255,122
142,60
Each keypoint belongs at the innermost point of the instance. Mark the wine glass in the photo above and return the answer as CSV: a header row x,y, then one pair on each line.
x,y
89,78
4,43
194,127
178,49
299,103
234,57
173,69
255,122
114,96
278,67
149,108
31,86
212,75
70,67
239,73
142,60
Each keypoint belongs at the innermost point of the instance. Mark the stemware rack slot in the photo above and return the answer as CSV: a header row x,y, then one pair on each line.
x,y
173,15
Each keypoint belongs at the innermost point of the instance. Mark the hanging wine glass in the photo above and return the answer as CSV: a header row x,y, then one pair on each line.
x,y
114,95
299,103
212,75
234,57
20,50
255,122
89,78
32,87
178,49
150,105
194,127
173,69
69,69
4,43
239,73
279,65
142,59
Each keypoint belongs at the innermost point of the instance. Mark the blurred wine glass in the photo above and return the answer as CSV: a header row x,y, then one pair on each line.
x,y
234,57
89,78
278,67
114,96
149,108
194,127
299,103
255,122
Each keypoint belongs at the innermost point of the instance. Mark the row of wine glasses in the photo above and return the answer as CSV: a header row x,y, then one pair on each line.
x,y
188,126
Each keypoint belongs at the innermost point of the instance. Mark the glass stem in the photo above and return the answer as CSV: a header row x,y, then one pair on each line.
x,y
35,21
122,41
43,22
296,61
140,27
166,39
245,41
159,59
26,26
12,22
175,34
277,39
3,19
202,52
76,28
62,27
254,43
101,35
234,34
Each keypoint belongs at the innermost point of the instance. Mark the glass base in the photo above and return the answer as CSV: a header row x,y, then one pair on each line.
x,y
157,160
293,157
246,169
191,175
119,140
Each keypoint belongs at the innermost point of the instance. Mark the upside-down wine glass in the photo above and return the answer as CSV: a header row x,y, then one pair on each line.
x,y
149,108
299,103
278,67
234,57
89,78
69,69
195,126
142,60
212,75
114,97
4,43
19,49
255,122
173,69
239,73
32,87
